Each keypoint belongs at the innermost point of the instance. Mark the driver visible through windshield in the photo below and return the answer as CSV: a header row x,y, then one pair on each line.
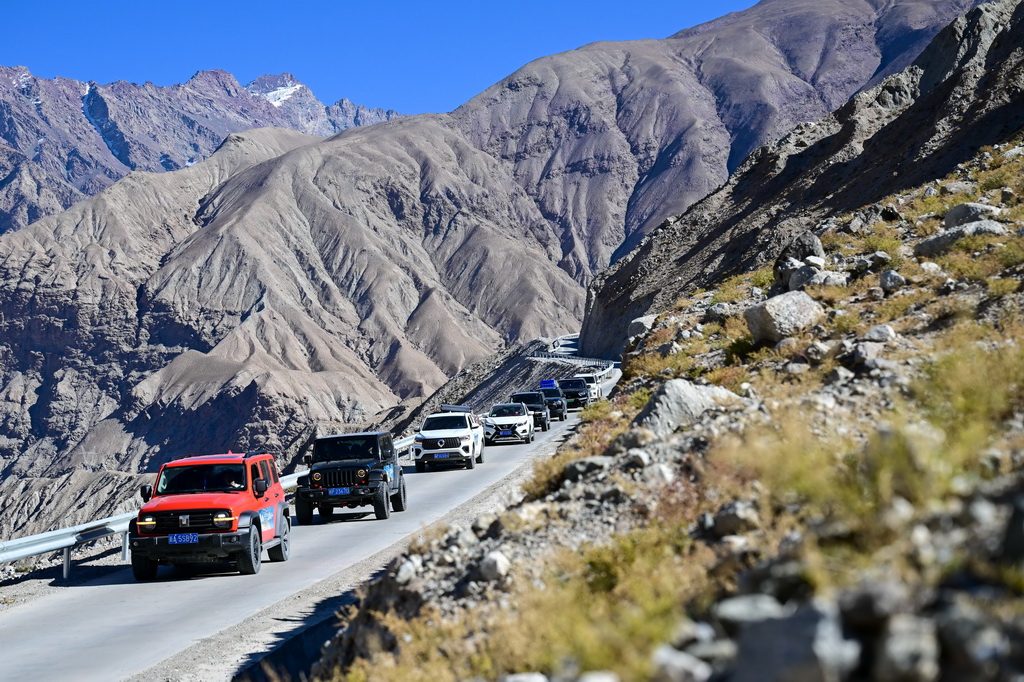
x,y
201,478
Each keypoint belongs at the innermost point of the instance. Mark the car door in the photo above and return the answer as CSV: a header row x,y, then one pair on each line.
x,y
267,504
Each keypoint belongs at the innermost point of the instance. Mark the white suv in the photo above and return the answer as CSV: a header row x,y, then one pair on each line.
x,y
454,435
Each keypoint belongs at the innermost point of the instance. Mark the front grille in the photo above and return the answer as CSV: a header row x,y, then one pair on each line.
x,y
339,478
440,443
172,522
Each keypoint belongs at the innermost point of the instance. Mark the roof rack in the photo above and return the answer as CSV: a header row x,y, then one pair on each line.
x,y
455,408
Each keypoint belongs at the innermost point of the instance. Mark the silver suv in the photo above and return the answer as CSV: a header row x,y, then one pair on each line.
x,y
453,435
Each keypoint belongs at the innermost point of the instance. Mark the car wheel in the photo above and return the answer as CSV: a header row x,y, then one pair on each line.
x,y
303,511
480,457
143,568
420,466
398,500
381,506
545,426
250,560
326,512
470,462
284,550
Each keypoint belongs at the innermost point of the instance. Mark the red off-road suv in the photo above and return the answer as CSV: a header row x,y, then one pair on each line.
x,y
211,508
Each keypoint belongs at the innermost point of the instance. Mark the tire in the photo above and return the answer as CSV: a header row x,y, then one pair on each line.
x,y
283,551
381,506
251,558
326,512
303,511
471,462
420,466
143,568
480,457
529,439
398,501
545,426
563,417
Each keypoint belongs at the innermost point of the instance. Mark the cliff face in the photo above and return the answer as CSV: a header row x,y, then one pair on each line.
x,y
963,92
68,139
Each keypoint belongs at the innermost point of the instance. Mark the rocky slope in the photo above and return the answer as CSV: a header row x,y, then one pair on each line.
x,y
244,300
963,92
811,470
63,140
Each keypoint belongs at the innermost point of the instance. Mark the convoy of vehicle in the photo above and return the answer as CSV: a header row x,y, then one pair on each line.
x,y
231,507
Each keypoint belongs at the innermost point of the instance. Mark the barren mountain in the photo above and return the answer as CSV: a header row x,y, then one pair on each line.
x,y
289,282
963,92
69,140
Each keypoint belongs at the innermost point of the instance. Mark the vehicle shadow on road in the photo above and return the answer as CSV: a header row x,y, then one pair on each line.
x,y
298,642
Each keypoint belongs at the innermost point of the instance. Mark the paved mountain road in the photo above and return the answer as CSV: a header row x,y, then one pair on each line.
x,y
115,628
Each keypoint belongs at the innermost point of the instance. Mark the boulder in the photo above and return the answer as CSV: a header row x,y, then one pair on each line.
x,y
671,665
494,566
807,646
640,325
785,315
962,214
908,651
737,613
735,518
679,403
803,245
943,241
891,281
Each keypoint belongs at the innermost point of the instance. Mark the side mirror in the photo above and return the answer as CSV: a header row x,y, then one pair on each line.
x,y
147,492
259,486
307,459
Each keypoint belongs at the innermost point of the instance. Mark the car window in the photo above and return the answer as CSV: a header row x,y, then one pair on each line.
x,y
551,392
266,472
444,421
201,478
507,411
572,383
345,447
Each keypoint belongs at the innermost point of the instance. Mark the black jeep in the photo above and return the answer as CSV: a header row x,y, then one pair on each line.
x,y
351,470
538,407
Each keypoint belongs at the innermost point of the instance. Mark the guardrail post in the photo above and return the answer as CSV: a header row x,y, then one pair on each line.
x,y
124,546
67,563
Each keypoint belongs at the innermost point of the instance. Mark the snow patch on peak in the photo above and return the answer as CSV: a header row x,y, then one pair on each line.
x,y
278,96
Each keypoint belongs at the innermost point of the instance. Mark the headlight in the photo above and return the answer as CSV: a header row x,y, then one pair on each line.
x,y
418,438
465,439
317,476
361,473
222,519
147,523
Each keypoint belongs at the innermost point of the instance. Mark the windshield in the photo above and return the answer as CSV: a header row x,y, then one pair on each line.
x,y
572,383
201,478
528,398
589,378
507,411
346,447
445,421
551,392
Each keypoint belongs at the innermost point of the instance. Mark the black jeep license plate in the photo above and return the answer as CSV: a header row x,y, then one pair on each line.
x,y
339,491
183,539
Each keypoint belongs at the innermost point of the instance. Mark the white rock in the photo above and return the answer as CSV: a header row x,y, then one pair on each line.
x,y
495,566
781,316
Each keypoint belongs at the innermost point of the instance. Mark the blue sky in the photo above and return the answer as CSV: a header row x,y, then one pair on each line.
x,y
414,57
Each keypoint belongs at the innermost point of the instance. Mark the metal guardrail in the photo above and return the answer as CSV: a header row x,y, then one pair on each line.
x,y
68,538
574,360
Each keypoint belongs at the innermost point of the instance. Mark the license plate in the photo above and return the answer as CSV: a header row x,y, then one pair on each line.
x,y
183,539
339,491
505,433
441,455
